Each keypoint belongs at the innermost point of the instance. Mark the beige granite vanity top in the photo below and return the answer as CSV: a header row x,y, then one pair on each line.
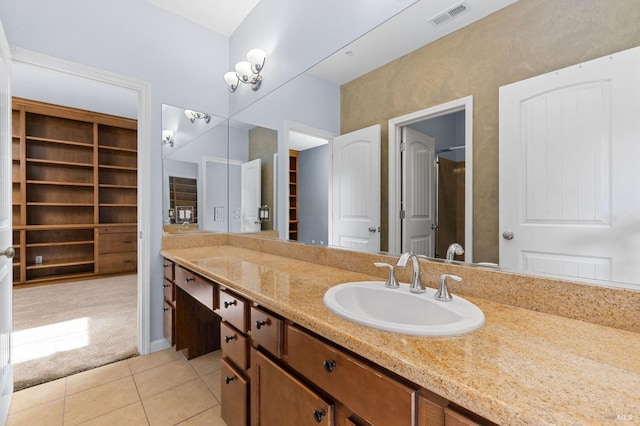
x,y
522,368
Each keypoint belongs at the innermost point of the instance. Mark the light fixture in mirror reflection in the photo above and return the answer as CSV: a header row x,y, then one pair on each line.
x,y
207,155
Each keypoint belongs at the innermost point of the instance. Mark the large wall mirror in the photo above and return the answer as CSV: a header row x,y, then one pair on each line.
x,y
381,100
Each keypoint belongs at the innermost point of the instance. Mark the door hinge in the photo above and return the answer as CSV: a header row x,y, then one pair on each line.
x,y
403,214
403,146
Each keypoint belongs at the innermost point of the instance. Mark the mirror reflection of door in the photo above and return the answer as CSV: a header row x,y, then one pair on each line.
x,y
250,190
433,170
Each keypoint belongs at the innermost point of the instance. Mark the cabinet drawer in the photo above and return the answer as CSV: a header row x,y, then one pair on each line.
x,y
117,229
118,262
117,242
368,392
169,322
452,418
235,345
266,331
278,398
168,291
234,395
168,267
234,310
197,287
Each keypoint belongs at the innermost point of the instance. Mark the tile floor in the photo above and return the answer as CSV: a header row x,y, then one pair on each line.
x,y
162,388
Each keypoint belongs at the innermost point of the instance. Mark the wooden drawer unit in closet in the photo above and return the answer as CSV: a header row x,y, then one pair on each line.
x,y
266,331
235,395
118,262
355,384
234,345
279,398
117,242
196,286
234,310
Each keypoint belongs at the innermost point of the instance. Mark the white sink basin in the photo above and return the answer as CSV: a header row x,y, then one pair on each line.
x,y
372,304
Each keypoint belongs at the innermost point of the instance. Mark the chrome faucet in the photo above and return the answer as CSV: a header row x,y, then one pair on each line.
x,y
416,285
454,249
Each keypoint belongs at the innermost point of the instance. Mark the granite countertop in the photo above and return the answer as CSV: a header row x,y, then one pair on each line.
x,y
522,368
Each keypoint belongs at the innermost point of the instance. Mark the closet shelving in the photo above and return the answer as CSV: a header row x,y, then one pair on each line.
x,y
74,178
293,195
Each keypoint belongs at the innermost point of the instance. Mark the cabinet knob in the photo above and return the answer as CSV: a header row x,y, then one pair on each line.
x,y
229,379
188,280
165,285
227,304
227,339
318,415
259,324
329,365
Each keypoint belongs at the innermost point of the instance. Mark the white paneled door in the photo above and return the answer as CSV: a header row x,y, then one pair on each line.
x,y
569,187
6,264
355,190
250,183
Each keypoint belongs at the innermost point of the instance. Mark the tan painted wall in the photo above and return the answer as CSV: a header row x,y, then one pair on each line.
x,y
263,143
528,38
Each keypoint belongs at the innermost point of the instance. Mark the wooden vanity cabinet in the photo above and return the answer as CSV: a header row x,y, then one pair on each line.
x,y
267,331
235,395
279,398
169,305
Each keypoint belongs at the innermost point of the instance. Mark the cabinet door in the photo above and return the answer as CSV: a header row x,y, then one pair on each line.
x,y
235,394
279,399
169,323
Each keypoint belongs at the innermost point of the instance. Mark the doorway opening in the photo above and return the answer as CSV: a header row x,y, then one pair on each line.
x,y
430,180
137,94
309,197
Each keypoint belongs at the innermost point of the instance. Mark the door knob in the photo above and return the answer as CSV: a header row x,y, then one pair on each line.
x,y
373,229
9,252
508,235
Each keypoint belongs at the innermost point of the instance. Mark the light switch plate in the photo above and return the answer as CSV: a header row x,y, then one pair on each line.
x,y
38,260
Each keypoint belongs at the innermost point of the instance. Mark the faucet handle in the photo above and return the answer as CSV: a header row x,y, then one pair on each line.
x,y
443,294
392,282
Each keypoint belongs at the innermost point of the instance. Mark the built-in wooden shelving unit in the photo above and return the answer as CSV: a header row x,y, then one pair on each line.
x,y
293,195
74,192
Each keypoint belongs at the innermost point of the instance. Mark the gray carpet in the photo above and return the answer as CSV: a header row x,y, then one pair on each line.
x,y
62,329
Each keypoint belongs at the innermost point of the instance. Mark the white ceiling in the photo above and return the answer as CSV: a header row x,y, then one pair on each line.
x,y
221,16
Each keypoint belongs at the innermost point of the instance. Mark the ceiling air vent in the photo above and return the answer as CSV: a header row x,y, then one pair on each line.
x,y
451,13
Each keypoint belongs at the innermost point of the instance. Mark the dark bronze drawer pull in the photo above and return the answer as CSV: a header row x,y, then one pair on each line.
x,y
227,339
227,304
127,261
166,265
127,242
259,324
228,379
329,365
165,285
318,415
188,280
165,309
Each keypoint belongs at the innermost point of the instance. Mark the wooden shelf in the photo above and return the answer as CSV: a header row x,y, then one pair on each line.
x,y
58,141
74,178
293,195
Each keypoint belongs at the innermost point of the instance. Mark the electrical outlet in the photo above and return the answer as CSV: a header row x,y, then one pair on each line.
x,y
218,214
38,260
236,214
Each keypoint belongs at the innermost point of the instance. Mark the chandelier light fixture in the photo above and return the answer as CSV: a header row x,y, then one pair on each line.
x,y
167,137
196,115
247,72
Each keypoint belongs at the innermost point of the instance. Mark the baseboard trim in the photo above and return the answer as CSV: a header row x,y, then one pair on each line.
x,y
159,345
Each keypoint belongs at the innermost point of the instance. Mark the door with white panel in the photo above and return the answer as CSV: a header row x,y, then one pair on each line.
x,y
355,190
6,251
569,152
251,194
419,177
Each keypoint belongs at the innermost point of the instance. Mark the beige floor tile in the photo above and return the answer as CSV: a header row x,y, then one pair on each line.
x,y
211,417
159,379
213,383
37,395
207,364
147,362
100,400
131,415
48,414
97,376
179,403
